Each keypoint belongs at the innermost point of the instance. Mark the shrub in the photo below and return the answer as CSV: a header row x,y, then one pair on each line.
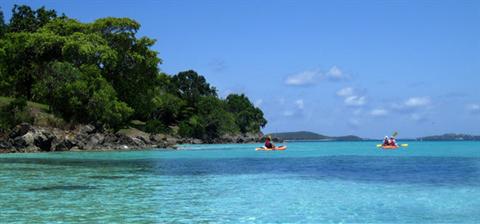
x,y
156,127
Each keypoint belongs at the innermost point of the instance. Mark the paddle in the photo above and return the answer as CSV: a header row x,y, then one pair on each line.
x,y
394,134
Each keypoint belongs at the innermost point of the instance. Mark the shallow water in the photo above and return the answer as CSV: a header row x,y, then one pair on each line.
x,y
310,182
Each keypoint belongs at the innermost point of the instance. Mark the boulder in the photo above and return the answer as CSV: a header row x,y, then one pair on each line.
x,y
21,130
172,141
196,141
43,139
5,144
86,129
95,141
64,145
131,141
24,141
156,138
135,135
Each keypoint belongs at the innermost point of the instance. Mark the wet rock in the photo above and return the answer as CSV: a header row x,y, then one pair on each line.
x,y
130,141
197,141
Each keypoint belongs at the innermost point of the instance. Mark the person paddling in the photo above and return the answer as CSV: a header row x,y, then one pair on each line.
x,y
392,141
385,141
268,143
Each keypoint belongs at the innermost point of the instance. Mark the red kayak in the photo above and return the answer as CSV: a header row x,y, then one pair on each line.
x,y
389,147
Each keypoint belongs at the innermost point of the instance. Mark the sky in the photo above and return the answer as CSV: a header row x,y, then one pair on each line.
x,y
367,68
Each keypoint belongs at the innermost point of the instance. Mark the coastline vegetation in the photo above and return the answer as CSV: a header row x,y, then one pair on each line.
x,y
101,73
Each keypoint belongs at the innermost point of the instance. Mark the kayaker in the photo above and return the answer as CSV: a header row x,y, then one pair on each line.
x,y
392,141
385,141
268,143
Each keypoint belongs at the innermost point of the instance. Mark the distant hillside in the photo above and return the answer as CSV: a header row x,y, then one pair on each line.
x,y
450,137
306,135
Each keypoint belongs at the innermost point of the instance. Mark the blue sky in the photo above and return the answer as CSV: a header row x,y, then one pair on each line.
x,y
334,67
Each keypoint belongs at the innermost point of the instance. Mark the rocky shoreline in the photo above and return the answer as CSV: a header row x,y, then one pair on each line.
x,y
28,138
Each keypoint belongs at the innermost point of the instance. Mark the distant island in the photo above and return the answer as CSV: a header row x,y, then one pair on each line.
x,y
312,136
450,137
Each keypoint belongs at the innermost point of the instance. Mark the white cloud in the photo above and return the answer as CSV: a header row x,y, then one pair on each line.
x,y
258,103
412,104
473,108
417,102
335,74
313,76
351,98
304,78
347,91
355,100
299,104
288,113
379,112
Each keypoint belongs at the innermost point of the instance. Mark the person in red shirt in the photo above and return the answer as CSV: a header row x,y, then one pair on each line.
x,y
268,143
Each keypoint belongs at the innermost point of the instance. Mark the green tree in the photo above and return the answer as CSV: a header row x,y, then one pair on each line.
x,y
24,19
82,95
14,113
25,56
3,27
135,69
247,117
191,86
211,122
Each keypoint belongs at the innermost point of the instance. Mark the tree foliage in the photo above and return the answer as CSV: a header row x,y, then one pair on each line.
x,y
24,19
102,73
14,113
247,117
2,24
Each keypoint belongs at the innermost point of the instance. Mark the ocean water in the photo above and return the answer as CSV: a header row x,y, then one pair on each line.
x,y
310,182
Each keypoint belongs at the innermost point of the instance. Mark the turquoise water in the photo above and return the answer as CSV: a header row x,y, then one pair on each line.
x,y
311,182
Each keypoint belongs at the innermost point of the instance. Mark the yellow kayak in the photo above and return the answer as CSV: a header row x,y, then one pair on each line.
x,y
391,146
282,147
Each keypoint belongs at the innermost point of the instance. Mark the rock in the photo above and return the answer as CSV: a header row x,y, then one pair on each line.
x,y
64,145
24,141
21,130
158,138
135,135
172,141
43,140
86,129
5,144
131,141
95,141
197,141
